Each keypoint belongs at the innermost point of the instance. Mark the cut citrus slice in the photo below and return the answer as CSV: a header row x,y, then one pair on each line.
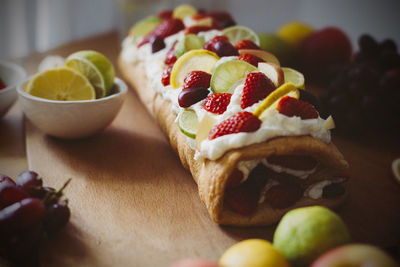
x,y
197,59
272,99
204,129
293,76
61,84
182,11
144,27
94,66
189,42
238,33
329,123
188,122
228,73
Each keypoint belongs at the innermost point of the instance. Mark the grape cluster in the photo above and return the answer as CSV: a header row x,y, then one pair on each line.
x,y
28,212
364,95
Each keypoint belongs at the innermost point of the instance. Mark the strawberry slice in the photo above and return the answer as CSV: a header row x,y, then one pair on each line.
x,y
164,29
291,107
165,14
196,79
294,162
217,102
198,28
257,86
246,44
165,77
170,57
252,59
240,122
283,195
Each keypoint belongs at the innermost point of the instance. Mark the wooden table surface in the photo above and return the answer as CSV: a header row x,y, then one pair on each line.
x,y
132,202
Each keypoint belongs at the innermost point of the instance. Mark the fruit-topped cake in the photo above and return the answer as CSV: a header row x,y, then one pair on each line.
x,y
244,126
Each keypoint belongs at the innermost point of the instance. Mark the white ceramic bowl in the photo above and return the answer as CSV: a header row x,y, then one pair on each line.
x,y
72,119
12,75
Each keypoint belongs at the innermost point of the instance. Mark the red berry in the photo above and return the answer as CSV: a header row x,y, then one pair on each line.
x,y
246,44
170,58
283,195
252,59
166,75
210,44
164,29
256,87
197,28
240,122
199,16
165,14
196,79
217,103
291,106
294,162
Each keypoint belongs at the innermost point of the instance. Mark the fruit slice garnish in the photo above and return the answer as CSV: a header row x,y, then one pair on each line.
x,y
204,129
237,33
61,84
144,27
94,66
189,42
294,76
266,56
329,123
228,73
188,122
182,11
273,72
396,169
271,101
197,59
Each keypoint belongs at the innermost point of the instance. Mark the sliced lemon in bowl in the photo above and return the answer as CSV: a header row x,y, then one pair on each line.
x,y
94,66
293,76
63,84
228,73
198,59
238,32
271,101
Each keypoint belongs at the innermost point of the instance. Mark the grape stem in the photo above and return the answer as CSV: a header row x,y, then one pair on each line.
x,y
53,196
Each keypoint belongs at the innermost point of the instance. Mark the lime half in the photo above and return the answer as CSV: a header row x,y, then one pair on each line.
x,y
228,73
94,66
189,42
293,76
144,27
64,84
238,33
188,122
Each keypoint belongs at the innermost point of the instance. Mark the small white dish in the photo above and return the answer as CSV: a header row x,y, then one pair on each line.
x,y
72,119
12,75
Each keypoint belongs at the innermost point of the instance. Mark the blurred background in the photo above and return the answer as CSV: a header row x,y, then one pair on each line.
x,y
38,25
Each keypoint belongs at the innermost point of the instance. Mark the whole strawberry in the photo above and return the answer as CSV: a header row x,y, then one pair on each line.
x,y
164,29
246,44
240,122
217,103
291,107
196,79
252,59
257,86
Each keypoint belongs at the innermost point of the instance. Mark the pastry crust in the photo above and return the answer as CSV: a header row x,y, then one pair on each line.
x,y
211,176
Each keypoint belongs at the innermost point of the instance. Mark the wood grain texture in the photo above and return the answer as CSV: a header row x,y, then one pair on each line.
x,y
133,204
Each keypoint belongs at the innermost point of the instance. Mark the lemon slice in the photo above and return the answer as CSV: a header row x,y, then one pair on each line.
x,y
228,73
144,27
272,99
238,33
198,59
203,129
293,76
188,122
94,66
61,84
182,11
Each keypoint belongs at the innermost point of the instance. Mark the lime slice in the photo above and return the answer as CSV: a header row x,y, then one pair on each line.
x,y
203,130
61,84
197,59
272,99
238,33
144,27
94,66
189,42
228,73
293,76
188,122
182,11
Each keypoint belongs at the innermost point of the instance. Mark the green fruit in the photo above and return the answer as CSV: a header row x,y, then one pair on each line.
x,y
275,45
303,234
189,42
144,27
237,33
228,73
188,122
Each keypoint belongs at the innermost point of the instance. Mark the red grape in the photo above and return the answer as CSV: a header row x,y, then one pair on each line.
x,y
57,216
157,43
29,180
9,194
4,179
191,96
224,48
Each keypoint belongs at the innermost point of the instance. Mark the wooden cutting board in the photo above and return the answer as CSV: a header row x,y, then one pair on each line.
x,y
133,204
